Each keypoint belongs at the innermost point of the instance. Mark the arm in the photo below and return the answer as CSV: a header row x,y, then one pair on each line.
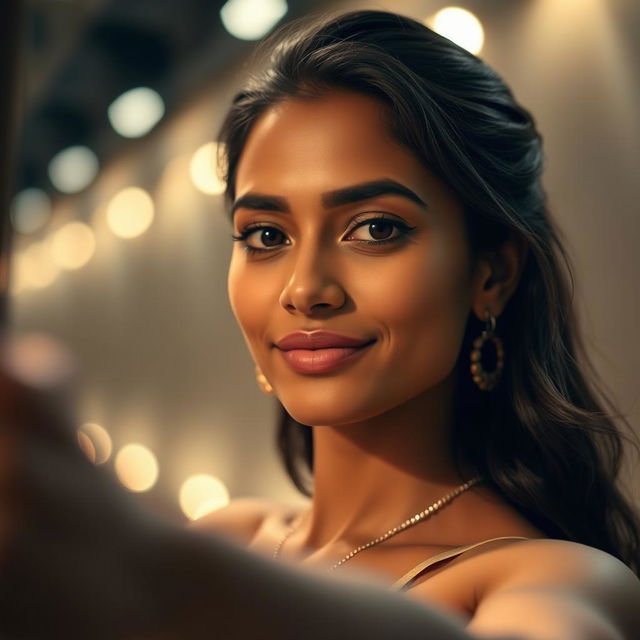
x,y
215,585
92,564
79,559
561,591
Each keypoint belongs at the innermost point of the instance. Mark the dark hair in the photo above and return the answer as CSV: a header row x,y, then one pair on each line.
x,y
542,438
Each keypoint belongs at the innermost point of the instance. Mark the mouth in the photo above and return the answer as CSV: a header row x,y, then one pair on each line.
x,y
323,360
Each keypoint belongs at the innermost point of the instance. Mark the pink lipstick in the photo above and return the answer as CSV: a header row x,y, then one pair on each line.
x,y
320,351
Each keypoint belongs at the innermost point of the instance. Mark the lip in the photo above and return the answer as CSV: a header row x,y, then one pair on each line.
x,y
320,351
319,340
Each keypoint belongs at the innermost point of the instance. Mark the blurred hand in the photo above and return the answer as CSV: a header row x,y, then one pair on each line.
x,y
77,555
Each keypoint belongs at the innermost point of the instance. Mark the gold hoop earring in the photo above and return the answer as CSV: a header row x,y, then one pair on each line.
x,y
487,380
263,382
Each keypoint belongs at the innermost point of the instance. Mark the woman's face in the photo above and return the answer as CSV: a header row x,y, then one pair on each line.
x,y
404,282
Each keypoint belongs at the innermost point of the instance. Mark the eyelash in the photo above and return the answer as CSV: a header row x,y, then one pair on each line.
x,y
401,226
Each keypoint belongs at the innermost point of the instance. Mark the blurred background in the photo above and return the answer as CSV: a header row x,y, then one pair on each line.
x,y
121,243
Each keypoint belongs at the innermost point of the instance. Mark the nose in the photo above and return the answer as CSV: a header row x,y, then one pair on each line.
x,y
312,287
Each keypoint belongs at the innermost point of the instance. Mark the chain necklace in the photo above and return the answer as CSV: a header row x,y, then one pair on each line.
x,y
429,511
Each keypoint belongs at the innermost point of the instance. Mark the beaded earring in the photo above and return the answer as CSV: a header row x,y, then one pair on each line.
x,y
487,380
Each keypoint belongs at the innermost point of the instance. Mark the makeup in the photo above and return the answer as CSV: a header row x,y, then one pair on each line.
x,y
322,360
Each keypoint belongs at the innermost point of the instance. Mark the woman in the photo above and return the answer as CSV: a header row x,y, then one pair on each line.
x,y
398,282
385,186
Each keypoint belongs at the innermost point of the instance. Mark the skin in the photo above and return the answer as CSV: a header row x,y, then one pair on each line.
x,y
95,565
381,425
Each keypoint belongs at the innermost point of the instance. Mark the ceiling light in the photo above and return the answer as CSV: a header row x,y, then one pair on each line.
x,y
202,170
73,169
73,245
459,26
251,19
30,210
130,212
136,112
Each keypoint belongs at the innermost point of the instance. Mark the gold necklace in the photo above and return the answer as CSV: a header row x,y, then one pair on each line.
x,y
429,511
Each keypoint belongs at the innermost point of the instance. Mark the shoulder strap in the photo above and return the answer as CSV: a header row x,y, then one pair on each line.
x,y
408,577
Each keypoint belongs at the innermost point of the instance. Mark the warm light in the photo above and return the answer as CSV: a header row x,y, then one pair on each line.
x,y
73,169
251,19
85,443
461,27
30,210
73,245
35,266
130,212
38,361
19,279
94,438
203,170
136,467
202,494
16,285
136,112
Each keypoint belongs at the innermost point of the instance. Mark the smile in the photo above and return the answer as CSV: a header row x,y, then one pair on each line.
x,y
322,360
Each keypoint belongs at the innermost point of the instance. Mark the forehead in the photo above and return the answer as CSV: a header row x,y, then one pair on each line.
x,y
320,143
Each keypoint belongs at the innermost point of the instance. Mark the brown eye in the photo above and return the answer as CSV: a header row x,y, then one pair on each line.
x,y
380,230
270,237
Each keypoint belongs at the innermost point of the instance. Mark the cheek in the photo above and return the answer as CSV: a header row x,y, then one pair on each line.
x,y
424,314
251,300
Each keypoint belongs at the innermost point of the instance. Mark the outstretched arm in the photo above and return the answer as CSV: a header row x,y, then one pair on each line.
x,y
218,587
79,559
562,591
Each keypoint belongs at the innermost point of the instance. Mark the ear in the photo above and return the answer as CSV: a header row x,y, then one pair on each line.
x,y
497,275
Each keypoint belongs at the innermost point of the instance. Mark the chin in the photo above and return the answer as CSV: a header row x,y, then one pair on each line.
x,y
336,410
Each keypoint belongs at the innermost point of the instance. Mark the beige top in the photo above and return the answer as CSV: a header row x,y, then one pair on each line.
x,y
406,580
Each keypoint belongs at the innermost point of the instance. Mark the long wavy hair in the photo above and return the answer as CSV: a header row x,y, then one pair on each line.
x,y
545,438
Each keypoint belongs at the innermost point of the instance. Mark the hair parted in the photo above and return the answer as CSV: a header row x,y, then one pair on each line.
x,y
546,438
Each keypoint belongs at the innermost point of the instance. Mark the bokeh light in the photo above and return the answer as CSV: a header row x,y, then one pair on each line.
x,y
73,245
136,112
201,494
37,360
73,169
30,210
251,19
202,170
130,212
95,439
459,26
136,467
35,267
87,446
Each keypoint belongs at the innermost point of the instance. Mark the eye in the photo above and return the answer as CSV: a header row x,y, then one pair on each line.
x,y
262,238
380,230
267,238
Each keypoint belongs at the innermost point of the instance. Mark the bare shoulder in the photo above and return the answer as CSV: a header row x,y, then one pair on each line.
x,y
239,520
575,590
564,563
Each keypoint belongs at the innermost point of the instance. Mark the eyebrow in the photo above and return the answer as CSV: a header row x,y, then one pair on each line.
x,y
331,199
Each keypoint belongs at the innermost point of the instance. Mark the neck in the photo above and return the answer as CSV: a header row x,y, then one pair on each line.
x,y
372,475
